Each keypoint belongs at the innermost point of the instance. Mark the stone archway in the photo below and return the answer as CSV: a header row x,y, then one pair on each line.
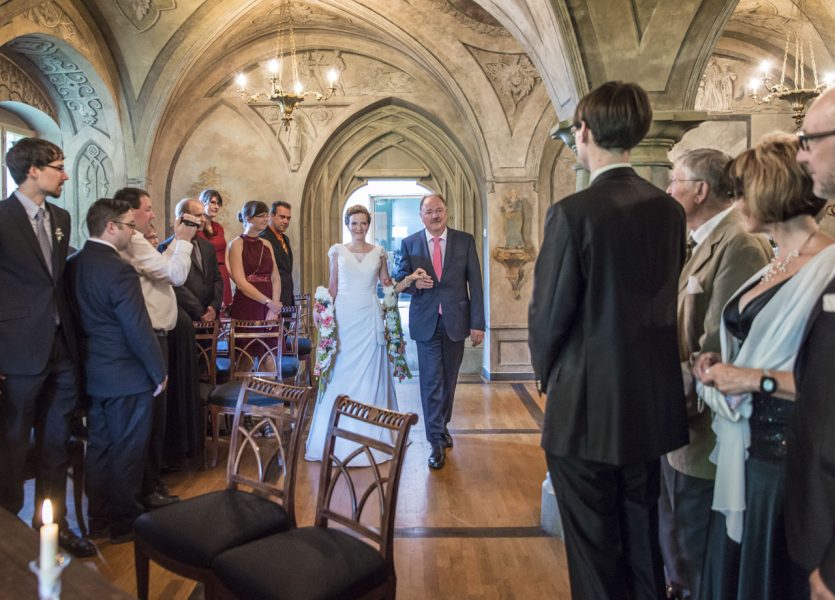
x,y
389,140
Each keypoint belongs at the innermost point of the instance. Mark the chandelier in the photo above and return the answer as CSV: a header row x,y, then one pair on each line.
x,y
799,95
285,88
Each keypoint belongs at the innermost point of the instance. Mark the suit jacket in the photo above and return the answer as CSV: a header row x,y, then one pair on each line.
x,y
718,267
602,322
810,464
29,295
203,286
284,260
459,292
120,351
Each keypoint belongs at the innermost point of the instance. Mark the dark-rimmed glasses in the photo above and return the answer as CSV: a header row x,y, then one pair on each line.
x,y
131,225
805,138
59,168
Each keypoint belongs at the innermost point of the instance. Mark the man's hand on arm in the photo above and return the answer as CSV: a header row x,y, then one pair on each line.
x,y
476,336
818,587
161,387
209,315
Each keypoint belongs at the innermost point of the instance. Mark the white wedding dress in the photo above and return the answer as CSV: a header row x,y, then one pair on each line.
x,y
361,369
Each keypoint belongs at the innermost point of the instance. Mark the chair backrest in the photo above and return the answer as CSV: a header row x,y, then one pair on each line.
x,y
205,341
255,348
273,461
303,305
290,326
346,410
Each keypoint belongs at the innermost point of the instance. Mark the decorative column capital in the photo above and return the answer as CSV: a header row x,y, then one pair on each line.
x,y
650,158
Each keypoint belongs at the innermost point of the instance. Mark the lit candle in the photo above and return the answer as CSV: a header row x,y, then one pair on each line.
x,y
332,77
298,87
48,565
272,66
241,80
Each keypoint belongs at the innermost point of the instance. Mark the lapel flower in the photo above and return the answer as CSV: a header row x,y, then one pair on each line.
x,y
59,234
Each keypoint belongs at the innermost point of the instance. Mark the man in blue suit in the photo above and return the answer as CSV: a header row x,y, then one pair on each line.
x,y
123,368
447,306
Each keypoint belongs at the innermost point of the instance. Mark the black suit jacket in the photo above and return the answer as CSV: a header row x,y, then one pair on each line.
x,y
602,322
203,286
460,291
284,260
810,464
29,296
120,352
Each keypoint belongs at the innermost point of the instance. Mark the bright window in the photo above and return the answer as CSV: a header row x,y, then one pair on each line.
x,y
9,136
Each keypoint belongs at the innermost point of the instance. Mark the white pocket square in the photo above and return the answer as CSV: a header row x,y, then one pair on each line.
x,y
829,302
693,285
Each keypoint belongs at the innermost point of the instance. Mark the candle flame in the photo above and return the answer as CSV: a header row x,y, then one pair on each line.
x,y
241,80
46,512
333,76
298,87
272,66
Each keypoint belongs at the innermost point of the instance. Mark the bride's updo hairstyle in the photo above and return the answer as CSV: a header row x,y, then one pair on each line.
x,y
773,185
252,209
354,210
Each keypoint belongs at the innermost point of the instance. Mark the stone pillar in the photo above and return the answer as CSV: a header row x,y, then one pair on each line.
x,y
650,158
563,132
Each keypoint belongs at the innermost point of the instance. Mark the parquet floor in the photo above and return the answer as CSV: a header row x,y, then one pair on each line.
x,y
470,530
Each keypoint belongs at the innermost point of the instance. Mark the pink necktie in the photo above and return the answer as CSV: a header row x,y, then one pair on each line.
x,y
437,261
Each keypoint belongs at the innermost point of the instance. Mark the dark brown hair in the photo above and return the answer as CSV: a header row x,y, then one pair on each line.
x,y
618,114
30,152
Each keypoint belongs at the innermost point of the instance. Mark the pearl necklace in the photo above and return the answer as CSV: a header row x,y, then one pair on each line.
x,y
779,266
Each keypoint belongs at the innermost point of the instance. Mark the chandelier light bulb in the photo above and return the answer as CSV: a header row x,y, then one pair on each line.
x,y
273,66
332,77
240,79
829,79
765,66
298,88
753,84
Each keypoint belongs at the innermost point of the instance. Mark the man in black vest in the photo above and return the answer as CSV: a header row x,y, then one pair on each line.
x,y
275,234
38,381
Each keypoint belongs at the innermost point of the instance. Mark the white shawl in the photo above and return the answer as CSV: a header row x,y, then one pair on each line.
x,y
772,344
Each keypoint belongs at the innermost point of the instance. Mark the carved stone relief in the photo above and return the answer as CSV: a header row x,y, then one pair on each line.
x,y
52,17
294,138
68,80
93,177
516,252
303,14
144,14
716,88
471,15
512,76
16,86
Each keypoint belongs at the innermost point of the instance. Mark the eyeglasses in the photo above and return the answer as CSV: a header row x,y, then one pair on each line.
x,y
437,212
674,180
59,168
805,138
131,225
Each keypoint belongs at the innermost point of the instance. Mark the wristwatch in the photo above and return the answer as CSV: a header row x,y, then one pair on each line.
x,y
768,385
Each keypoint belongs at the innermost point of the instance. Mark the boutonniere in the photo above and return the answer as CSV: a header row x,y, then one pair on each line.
x,y
59,235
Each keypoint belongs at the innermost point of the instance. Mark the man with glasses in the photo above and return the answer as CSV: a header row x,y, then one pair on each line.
x,y
722,256
157,274
123,367
810,464
38,353
602,334
447,306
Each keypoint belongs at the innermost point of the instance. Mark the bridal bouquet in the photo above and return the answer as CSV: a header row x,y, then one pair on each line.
x,y
395,345
326,348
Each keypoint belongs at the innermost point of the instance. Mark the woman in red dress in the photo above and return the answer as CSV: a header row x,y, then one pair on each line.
x,y
253,268
213,232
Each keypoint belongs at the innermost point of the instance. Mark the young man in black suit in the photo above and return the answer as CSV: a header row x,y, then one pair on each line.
x,y
123,367
38,380
602,334
276,235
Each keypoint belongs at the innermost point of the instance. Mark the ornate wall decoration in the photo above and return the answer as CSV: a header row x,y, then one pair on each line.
x,y
472,16
512,75
16,86
144,14
320,117
52,17
303,14
93,177
516,252
716,88
209,179
69,81
379,77
294,138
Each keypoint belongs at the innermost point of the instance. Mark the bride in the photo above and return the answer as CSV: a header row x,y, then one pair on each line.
x,y
361,368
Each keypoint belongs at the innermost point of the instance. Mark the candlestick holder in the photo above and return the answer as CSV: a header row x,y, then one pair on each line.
x,y
49,587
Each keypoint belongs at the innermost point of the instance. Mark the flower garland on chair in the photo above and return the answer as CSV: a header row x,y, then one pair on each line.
x,y
326,348
395,345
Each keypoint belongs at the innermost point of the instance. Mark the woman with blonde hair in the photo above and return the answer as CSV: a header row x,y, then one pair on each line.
x,y
750,387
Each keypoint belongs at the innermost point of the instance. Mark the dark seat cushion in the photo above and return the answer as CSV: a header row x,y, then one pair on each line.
x,y
227,393
289,366
312,563
305,346
196,530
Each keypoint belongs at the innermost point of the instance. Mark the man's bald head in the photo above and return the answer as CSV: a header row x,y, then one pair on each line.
x,y
817,147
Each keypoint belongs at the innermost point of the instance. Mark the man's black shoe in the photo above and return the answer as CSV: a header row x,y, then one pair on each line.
x,y
157,500
446,439
437,457
77,546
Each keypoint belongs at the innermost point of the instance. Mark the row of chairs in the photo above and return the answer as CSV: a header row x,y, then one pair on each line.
x,y
243,542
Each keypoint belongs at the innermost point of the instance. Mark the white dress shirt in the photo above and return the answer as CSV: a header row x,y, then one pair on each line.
x,y
157,273
700,234
32,212
431,244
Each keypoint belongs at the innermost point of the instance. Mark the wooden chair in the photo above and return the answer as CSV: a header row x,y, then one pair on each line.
x,y
291,326
206,340
306,354
255,349
324,561
185,537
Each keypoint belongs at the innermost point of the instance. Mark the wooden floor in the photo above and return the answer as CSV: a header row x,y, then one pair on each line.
x,y
470,530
